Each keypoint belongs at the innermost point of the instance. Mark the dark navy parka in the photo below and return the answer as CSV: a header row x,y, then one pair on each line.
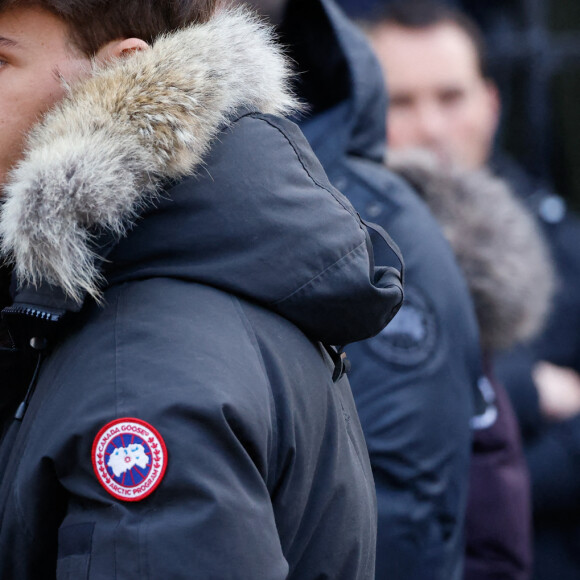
x,y
552,447
215,306
414,382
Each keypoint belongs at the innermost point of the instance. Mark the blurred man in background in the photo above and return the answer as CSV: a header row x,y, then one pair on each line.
x,y
442,98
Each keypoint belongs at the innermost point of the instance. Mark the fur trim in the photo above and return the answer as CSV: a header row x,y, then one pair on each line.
x,y
496,241
97,159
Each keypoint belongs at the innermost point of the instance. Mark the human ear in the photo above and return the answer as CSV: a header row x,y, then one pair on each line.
x,y
120,49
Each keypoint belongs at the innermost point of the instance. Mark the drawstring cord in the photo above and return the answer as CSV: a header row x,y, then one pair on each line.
x,y
19,415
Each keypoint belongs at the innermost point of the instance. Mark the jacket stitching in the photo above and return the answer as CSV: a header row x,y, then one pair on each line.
x,y
300,159
257,349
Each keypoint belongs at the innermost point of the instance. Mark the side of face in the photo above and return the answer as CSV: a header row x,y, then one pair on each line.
x,y
438,98
35,55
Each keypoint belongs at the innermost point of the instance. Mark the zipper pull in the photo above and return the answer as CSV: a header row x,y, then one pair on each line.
x,y
39,345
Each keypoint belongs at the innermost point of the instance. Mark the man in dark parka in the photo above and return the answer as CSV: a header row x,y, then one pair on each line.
x,y
449,104
413,383
179,268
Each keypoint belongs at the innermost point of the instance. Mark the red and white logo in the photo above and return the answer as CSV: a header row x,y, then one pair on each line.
x,y
129,458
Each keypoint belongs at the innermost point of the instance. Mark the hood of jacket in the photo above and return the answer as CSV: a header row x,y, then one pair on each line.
x,y
121,157
340,77
496,241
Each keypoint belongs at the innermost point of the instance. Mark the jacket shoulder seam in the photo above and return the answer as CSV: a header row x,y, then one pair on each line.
x,y
263,118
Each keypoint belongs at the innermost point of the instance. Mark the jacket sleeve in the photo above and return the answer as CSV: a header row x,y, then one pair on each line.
x,y
552,449
415,413
514,370
554,462
209,399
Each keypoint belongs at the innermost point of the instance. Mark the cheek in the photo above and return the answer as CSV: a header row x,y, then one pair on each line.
x,y
26,94
35,95
21,107
49,92
75,69
476,119
401,128
47,86
473,135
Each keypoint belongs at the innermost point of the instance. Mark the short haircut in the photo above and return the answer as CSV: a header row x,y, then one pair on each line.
x,y
420,14
94,23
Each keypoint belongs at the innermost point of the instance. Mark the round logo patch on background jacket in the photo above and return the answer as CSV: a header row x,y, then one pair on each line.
x,y
129,457
411,337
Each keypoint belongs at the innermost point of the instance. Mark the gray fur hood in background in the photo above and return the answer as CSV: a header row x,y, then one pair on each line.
x,y
496,241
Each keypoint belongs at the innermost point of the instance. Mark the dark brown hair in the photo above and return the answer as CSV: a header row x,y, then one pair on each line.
x,y
94,23
420,14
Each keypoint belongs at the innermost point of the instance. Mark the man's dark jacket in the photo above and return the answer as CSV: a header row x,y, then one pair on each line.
x,y
552,448
214,258
413,382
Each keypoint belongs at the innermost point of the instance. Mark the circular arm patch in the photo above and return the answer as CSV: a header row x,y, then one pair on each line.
x,y
129,458
411,338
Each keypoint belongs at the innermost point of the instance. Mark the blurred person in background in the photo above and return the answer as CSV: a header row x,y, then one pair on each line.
x,y
442,98
510,277
415,385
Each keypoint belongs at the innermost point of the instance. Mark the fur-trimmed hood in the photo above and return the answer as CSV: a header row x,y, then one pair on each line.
x,y
98,158
186,142
496,241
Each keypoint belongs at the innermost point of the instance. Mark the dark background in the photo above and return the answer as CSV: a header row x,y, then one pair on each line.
x,y
534,48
